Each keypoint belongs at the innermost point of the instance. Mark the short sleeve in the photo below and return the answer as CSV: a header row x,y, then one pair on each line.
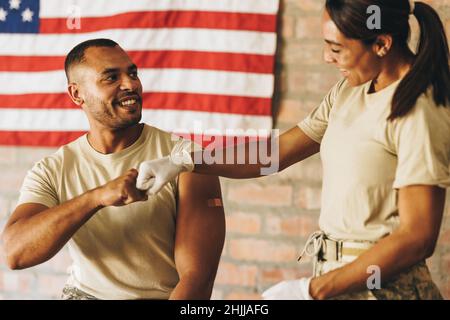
x,y
39,186
316,123
422,143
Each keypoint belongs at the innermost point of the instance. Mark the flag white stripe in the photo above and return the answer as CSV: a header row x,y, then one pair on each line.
x,y
95,8
156,80
250,42
169,120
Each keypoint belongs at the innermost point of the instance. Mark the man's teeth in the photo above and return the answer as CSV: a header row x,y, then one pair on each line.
x,y
128,102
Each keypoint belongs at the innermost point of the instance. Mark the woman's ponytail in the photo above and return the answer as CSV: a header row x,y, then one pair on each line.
x,y
431,66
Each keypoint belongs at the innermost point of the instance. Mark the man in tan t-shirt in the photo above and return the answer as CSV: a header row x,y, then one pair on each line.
x,y
124,244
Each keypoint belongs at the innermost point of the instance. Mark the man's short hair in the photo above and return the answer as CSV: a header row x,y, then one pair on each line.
x,y
76,55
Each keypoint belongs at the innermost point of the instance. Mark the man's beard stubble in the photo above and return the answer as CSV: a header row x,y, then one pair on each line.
x,y
106,117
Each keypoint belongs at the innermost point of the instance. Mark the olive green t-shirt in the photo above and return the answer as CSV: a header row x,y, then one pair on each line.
x,y
121,252
366,158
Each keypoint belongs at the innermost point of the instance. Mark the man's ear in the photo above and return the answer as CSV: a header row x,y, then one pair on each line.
x,y
74,93
382,45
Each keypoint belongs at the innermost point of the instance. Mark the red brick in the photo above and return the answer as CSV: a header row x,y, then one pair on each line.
x,y
444,238
236,295
246,223
217,294
309,170
291,175
292,226
302,53
308,198
12,179
291,111
51,285
308,27
60,262
254,193
287,26
275,275
433,263
225,249
317,82
445,263
238,275
17,281
282,81
308,5
262,250
4,207
312,169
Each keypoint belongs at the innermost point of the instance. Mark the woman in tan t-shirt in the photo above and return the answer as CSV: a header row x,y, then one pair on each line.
x,y
384,137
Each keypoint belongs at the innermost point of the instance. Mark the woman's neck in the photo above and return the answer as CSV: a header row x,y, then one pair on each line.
x,y
394,67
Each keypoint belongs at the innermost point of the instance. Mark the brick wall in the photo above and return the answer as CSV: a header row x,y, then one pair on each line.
x,y
268,219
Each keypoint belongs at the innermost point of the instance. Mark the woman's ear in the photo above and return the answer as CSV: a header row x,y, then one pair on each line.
x,y
382,45
74,93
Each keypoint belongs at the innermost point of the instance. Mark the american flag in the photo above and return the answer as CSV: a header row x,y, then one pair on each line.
x,y
207,62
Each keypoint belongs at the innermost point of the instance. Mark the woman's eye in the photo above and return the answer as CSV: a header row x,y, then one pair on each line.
x,y
111,78
134,74
335,51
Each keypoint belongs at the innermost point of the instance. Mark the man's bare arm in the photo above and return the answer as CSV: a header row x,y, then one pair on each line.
x,y
200,235
35,233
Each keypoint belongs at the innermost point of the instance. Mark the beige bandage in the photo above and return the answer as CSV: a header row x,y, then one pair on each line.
x,y
217,202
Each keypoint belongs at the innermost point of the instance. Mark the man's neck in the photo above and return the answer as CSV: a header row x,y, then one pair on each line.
x,y
106,140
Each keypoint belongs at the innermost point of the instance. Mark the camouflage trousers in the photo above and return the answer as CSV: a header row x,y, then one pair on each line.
x,y
73,293
414,283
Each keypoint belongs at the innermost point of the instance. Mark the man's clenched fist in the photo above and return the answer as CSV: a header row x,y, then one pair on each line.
x,y
121,191
154,174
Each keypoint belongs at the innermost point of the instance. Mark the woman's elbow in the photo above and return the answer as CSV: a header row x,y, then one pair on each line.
x,y
429,249
425,247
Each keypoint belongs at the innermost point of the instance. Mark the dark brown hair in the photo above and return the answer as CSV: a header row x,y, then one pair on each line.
x,y
76,55
430,67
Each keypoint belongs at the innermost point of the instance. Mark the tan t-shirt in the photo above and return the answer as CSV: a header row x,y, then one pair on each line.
x,y
121,252
366,158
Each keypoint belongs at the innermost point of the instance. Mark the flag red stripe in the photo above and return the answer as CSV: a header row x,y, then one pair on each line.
x,y
37,138
59,138
152,100
208,103
165,19
253,63
31,63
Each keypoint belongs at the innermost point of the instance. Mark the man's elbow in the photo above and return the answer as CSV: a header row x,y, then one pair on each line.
x,y
205,283
12,263
201,284
6,250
